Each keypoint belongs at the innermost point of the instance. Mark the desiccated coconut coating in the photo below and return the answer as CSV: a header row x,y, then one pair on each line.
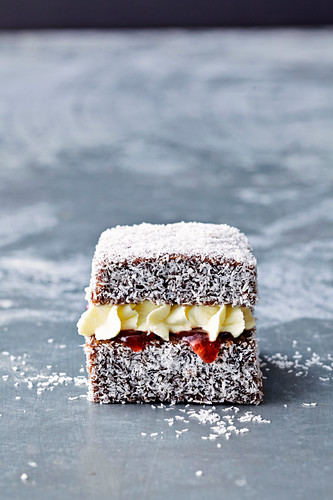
x,y
172,372
182,263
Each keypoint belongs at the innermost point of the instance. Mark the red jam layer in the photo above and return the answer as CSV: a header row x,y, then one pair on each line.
x,y
137,341
202,346
198,340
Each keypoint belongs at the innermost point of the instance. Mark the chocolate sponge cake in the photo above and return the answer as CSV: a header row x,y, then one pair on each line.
x,y
170,316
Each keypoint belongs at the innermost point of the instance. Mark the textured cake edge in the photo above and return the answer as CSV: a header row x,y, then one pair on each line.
x,y
176,281
180,263
170,372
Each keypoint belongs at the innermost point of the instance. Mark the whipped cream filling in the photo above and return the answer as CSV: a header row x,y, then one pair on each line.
x,y
106,321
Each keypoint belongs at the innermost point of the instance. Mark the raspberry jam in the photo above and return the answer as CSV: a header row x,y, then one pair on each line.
x,y
135,340
198,340
202,346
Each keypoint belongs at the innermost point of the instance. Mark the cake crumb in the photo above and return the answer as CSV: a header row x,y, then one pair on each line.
x,y
199,473
24,477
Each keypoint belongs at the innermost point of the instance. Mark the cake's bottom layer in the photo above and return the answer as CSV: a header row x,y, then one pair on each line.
x,y
170,371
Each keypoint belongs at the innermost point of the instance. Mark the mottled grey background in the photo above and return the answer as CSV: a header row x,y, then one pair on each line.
x,y
98,129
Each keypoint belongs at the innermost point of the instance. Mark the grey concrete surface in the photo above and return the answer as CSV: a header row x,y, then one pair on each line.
x,y
99,129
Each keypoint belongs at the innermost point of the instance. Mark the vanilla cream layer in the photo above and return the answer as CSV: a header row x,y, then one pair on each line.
x,y
105,322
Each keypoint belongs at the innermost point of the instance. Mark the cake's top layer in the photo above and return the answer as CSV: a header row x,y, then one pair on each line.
x,y
189,239
183,263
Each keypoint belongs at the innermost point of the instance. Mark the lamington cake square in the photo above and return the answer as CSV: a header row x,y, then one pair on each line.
x,y
170,316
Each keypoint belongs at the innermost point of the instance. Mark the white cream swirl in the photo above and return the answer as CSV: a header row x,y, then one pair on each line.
x,y
105,322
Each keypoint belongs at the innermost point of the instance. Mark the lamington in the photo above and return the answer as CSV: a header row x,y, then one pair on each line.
x,y
170,316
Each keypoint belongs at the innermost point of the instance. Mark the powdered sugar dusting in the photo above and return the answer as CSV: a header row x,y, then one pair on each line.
x,y
218,423
20,372
300,364
146,241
